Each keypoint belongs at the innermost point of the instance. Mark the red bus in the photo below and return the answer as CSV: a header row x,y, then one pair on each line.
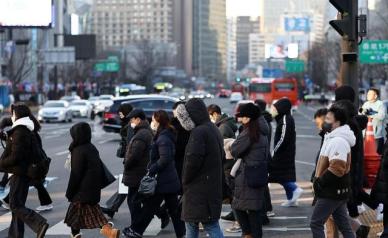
x,y
238,87
271,89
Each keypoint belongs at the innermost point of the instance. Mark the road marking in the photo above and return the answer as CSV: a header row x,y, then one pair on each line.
x,y
286,218
307,117
5,221
305,163
59,229
285,229
104,141
62,153
153,228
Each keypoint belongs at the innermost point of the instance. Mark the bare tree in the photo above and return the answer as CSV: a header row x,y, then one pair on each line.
x,y
144,59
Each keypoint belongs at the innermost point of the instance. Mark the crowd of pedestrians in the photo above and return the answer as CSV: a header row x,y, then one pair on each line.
x,y
185,167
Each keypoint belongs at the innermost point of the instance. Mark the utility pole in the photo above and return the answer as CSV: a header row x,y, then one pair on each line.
x,y
347,26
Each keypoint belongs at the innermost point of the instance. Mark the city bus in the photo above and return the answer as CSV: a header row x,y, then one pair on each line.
x,y
273,89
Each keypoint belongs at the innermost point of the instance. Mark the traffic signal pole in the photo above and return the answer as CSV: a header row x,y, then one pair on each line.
x,y
347,26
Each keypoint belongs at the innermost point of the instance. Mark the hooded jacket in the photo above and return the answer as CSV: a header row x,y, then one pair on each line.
x,y
202,167
282,164
138,155
252,154
86,176
332,175
227,126
182,138
162,162
17,154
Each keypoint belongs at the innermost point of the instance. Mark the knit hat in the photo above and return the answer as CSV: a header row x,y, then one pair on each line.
x,y
345,93
283,106
249,110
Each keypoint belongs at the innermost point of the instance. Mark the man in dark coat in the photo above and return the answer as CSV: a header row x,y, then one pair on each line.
x,y
202,170
137,157
282,164
226,125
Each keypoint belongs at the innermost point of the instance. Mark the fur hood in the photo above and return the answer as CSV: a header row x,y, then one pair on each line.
x,y
184,118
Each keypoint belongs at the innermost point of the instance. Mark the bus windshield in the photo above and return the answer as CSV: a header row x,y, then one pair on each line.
x,y
284,87
260,87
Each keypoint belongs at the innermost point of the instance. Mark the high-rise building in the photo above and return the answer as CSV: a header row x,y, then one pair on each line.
x,y
120,22
209,39
244,27
256,48
231,49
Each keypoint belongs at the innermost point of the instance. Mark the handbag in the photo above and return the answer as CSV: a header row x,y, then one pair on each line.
x,y
257,175
107,178
147,185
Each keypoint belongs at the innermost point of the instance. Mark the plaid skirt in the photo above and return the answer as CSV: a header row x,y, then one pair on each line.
x,y
85,216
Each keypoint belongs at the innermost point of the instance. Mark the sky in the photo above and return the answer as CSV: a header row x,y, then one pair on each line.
x,y
242,8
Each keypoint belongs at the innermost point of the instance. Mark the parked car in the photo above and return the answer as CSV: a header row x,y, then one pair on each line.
x,y
235,97
69,99
81,108
149,103
57,110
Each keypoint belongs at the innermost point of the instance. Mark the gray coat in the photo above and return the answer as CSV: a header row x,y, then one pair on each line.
x,y
246,198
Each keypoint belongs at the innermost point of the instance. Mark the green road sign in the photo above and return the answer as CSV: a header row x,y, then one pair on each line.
x,y
107,66
294,66
374,52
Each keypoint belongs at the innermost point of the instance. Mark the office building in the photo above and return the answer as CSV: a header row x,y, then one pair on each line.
x,y
244,27
231,49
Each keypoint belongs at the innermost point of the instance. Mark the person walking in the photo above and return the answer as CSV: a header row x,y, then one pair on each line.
x,y
375,109
16,159
136,160
226,125
126,132
43,195
251,177
332,186
202,171
282,164
168,186
319,119
87,178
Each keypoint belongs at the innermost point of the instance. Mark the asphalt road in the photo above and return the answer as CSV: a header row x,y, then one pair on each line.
x,y
288,222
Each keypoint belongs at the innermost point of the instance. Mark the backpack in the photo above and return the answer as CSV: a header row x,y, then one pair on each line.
x,y
40,163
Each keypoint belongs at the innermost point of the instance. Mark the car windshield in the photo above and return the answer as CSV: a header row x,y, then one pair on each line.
x,y
54,104
78,104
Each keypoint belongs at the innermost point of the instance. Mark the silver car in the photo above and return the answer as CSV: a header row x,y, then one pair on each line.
x,y
55,111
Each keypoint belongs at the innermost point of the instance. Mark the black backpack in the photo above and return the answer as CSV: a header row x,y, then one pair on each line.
x,y
40,162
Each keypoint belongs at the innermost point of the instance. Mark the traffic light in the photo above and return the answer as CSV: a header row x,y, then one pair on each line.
x,y
347,25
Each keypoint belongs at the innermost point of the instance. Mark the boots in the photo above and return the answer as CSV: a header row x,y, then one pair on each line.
x,y
109,232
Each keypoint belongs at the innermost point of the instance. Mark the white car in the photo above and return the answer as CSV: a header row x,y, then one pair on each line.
x,y
81,108
102,103
235,97
55,111
70,98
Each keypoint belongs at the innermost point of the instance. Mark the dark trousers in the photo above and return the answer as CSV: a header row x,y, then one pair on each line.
x,y
250,222
43,195
4,180
380,145
385,221
114,203
151,207
267,200
133,202
20,214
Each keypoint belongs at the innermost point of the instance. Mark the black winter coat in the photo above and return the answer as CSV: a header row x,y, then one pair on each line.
x,y
252,154
227,126
202,168
282,164
162,163
86,176
182,138
138,155
17,154
268,118
379,191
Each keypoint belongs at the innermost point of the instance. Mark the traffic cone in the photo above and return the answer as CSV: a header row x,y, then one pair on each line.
x,y
371,157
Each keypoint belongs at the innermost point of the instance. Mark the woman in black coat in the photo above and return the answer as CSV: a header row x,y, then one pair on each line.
x,y
87,178
16,159
253,148
162,166
282,165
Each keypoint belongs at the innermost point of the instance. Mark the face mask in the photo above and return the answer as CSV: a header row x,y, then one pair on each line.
x,y
274,113
133,125
154,126
13,118
327,127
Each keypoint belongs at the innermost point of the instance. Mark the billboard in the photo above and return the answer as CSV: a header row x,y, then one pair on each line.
x,y
281,51
296,24
85,45
26,13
